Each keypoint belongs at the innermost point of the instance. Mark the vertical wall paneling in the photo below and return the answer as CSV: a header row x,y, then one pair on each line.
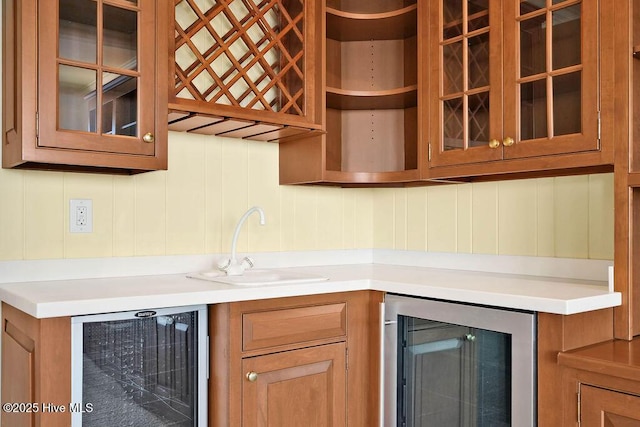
x,y
306,219
417,219
213,184
401,229
545,217
150,216
364,219
12,215
442,219
384,218
234,190
571,213
44,214
288,213
186,197
464,215
264,191
193,207
517,218
485,218
601,216
330,222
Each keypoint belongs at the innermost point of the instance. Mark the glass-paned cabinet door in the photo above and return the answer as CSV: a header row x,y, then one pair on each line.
x,y
97,75
465,42
551,86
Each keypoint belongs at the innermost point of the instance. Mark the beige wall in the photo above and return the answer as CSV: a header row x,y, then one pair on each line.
x,y
193,207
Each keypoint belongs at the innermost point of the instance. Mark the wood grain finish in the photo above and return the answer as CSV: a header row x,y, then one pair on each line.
x,y
557,334
264,329
372,88
271,48
31,86
608,408
229,359
18,353
612,368
306,387
392,25
36,364
614,358
505,118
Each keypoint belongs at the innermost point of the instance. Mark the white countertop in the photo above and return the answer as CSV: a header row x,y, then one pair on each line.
x,y
69,297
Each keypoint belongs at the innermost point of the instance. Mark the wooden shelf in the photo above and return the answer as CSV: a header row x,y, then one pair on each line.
x,y
342,99
391,179
634,179
348,26
205,124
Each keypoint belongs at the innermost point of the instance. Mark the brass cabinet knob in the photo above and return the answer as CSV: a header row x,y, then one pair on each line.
x,y
148,137
494,143
508,142
252,376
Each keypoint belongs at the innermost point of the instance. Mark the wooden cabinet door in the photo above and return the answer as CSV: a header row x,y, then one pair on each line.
x,y
550,77
90,96
512,80
18,380
96,74
305,387
465,81
608,408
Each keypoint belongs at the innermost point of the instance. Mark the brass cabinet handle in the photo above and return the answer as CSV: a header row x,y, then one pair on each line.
x,y
494,143
148,137
252,376
508,142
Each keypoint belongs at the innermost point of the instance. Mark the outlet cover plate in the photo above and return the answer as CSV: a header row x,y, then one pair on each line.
x,y
80,216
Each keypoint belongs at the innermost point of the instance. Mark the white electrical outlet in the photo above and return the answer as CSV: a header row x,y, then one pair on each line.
x,y
80,216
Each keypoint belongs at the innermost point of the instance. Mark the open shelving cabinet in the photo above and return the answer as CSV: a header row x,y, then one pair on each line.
x,y
371,99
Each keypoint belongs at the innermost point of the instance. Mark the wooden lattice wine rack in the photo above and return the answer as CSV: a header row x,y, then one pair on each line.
x,y
247,68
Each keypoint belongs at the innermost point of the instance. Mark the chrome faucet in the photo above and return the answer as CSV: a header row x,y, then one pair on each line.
x,y
232,267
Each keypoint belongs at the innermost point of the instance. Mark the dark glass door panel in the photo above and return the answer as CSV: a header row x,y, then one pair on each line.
x,y
451,375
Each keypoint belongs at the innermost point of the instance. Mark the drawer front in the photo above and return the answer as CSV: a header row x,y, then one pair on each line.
x,y
293,325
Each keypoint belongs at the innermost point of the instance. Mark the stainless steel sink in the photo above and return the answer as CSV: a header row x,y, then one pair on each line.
x,y
258,277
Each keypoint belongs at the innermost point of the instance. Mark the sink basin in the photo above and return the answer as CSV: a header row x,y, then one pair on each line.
x,y
258,277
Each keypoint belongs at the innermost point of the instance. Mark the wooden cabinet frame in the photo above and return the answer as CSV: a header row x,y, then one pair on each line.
x,y
36,367
362,342
571,154
214,105
32,139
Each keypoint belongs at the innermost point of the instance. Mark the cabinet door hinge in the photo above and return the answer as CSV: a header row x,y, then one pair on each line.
x,y
579,408
599,128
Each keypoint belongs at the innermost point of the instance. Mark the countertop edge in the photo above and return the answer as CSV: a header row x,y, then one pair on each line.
x,y
80,297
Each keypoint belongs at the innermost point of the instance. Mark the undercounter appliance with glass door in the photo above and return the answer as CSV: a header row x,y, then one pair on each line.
x,y
457,365
140,368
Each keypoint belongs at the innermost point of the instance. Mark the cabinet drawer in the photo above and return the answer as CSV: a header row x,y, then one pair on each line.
x,y
293,325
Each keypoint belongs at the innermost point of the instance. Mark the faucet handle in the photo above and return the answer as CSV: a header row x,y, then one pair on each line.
x,y
224,265
248,261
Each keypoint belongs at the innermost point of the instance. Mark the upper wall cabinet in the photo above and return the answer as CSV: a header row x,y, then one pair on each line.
x,y
372,98
84,85
514,81
247,68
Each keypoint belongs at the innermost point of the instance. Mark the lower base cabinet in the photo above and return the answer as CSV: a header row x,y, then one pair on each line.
x,y
286,362
601,384
279,362
36,370
608,408
303,387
